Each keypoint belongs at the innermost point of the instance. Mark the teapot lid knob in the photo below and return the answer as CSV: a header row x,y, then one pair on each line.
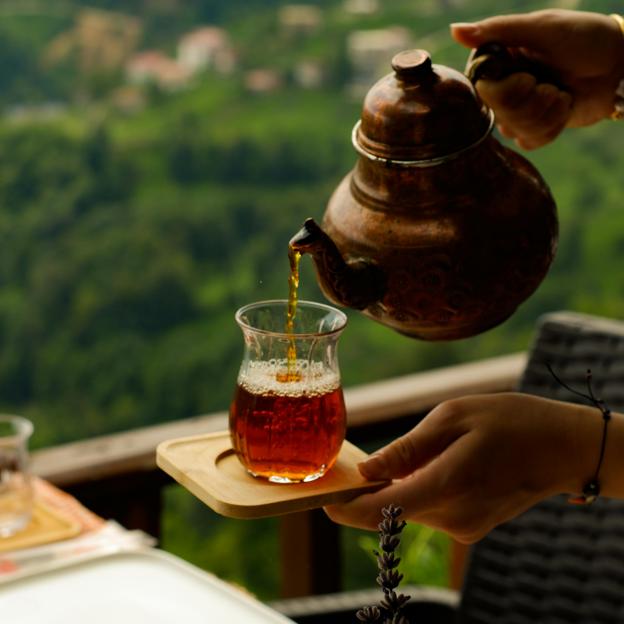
x,y
420,111
411,64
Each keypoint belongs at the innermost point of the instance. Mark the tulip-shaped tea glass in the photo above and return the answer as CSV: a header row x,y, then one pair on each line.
x,y
287,419
15,487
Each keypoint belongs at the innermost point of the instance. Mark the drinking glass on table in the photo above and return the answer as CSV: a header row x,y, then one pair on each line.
x,y
16,500
287,418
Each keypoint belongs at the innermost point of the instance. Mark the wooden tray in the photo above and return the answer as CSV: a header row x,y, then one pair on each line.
x,y
207,466
46,525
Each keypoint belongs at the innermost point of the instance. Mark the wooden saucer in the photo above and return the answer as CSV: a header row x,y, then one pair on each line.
x,y
46,525
207,466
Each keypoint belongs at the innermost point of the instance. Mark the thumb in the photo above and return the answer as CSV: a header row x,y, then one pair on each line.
x,y
411,451
523,30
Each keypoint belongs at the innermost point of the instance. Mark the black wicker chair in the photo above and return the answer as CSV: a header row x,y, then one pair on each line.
x,y
557,563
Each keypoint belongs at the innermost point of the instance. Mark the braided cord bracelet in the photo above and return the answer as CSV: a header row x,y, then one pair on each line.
x,y
591,489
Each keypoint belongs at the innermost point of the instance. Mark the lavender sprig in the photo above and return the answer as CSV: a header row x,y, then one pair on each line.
x,y
389,610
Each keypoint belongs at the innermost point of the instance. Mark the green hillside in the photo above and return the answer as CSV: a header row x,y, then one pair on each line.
x,y
129,239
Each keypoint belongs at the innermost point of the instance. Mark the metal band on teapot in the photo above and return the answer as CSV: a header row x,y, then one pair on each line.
x,y
425,162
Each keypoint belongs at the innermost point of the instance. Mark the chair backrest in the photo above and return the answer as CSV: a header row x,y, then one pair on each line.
x,y
558,563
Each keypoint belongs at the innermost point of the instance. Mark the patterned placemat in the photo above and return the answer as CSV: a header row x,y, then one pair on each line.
x,y
56,516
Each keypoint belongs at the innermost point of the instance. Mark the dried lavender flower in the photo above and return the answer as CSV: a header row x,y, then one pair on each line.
x,y
390,607
393,602
387,561
389,579
369,614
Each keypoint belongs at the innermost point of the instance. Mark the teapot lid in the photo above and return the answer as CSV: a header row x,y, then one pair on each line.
x,y
421,112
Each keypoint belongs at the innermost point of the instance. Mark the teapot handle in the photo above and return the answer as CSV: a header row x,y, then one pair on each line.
x,y
493,61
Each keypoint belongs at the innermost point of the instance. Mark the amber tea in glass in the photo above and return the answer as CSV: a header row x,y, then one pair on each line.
x,y
287,418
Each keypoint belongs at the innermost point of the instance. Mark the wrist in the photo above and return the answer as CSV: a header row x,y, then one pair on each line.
x,y
618,69
568,447
611,476
585,425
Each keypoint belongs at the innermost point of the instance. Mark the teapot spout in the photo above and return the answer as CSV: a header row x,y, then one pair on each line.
x,y
355,283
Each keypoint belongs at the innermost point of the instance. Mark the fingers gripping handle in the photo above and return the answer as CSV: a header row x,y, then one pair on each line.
x,y
492,61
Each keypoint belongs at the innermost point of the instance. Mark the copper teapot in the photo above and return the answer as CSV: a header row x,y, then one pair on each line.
x,y
439,231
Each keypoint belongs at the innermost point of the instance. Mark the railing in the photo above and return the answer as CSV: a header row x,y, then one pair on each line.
x,y
117,477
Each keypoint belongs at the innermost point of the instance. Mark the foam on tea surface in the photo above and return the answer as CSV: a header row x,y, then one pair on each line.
x,y
280,377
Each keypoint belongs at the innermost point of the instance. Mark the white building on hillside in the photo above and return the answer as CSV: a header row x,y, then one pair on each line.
x,y
299,19
154,67
262,80
308,74
370,53
204,48
360,7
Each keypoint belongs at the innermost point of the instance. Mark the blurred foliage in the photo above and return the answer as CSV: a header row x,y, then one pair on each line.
x,y
129,240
